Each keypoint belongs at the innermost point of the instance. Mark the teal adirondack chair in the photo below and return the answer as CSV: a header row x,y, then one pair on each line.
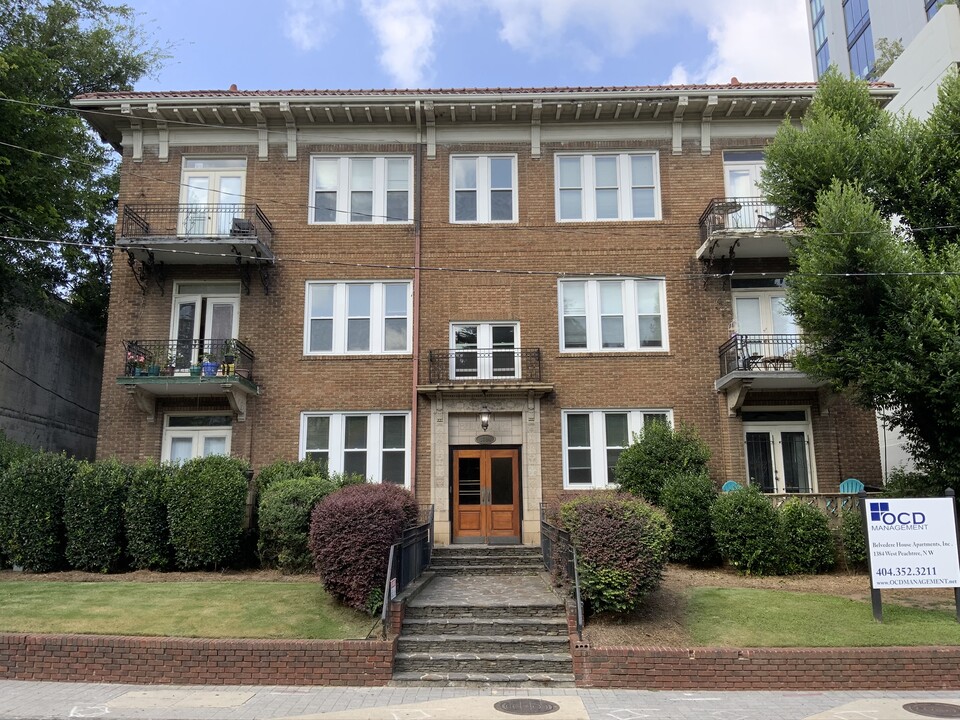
x,y
730,486
851,486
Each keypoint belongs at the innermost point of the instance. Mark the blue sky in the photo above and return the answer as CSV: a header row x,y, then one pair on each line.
x,y
337,44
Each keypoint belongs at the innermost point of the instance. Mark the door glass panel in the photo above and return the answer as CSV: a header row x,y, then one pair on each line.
x,y
221,322
186,322
468,481
228,198
501,481
760,461
796,478
783,322
749,327
195,214
465,360
742,183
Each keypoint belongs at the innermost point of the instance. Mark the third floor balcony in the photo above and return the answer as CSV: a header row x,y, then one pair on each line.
x,y
744,227
197,234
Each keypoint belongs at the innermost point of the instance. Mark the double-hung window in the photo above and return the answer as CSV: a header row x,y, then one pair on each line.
x,y
483,188
361,189
194,436
375,445
613,315
344,318
614,186
594,439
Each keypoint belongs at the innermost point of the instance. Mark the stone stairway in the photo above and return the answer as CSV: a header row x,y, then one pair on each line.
x,y
486,618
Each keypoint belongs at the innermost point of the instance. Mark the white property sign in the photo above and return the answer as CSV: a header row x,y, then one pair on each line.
x,y
912,543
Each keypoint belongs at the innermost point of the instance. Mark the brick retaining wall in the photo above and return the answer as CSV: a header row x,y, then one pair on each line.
x,y
892,668
142,660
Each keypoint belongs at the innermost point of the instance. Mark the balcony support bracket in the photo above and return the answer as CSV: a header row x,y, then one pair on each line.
x,y
237,400
736,397
145,403
265,277
139,274
706,117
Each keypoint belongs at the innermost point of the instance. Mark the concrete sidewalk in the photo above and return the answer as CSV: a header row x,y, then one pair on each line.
x,y
28,700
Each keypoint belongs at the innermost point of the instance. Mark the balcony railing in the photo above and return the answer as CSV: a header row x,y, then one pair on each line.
x,y
759,353
188,358
750,214
499,365
243,222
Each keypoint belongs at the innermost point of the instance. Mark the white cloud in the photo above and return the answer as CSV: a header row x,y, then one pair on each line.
x,y
753,41
306,22
405,30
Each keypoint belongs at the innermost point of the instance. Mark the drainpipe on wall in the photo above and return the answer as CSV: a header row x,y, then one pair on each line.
x,y
417,212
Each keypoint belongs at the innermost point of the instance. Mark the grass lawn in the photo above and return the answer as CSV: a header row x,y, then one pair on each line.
x,y
772,618
181,609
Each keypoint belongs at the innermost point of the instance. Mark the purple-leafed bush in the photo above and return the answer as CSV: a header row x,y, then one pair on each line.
x,y
351,532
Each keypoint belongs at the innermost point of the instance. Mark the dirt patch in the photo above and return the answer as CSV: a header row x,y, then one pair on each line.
x,y
660,622
151,576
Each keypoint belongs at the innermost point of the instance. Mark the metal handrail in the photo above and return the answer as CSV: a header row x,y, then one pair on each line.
x,y
199,220
548,549
760,353
228,356
408,558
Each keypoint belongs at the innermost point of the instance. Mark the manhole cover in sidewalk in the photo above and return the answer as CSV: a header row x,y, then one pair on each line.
x,y
933,709
532,706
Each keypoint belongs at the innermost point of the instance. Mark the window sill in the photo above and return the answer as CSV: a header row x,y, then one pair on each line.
x,y
358,356
612,221
604,354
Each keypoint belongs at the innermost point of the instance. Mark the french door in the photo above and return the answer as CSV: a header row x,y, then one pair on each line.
x,y
484,351
741,179
486,495
779,457
203,317
769,327
211,191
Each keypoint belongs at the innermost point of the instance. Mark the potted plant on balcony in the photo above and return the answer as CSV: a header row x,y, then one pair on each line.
x,y
229,353
136,363
209,365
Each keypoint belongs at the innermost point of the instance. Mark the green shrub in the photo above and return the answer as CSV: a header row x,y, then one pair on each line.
x,y
284,515
287,469
145,518
622,546
853,544
902,484
807,542
687,499
32,492
660,452
11,452
206,503
93,516
351,531
747,531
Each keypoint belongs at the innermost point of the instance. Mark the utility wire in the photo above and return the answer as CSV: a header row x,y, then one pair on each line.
x,y
43,387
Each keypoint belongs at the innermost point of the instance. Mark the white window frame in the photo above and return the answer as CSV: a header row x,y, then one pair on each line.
x,y
378,317
342,215
197,434
374,448
588,186
631,316
598,440
485,345
775,426
483,190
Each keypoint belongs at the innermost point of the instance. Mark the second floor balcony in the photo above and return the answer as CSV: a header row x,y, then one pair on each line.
x,y
744,227
764,362
197,234
495,369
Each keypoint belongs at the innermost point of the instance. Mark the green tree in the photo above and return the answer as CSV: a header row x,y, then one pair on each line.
x,y
877,281
50,51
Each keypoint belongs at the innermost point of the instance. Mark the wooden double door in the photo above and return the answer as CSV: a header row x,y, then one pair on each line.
x,y
486,495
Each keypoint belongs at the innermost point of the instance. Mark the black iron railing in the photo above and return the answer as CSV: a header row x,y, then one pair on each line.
x,y
743,213
507,365
218,220
560,560
408,558
200,358
760,353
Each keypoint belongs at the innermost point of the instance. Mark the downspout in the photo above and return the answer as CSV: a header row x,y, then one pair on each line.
x,y
417,214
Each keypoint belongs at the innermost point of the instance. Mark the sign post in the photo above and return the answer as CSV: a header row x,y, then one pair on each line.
x,y
911,543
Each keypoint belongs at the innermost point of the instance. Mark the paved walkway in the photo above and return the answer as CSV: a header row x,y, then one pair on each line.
x,y
29,700
486,591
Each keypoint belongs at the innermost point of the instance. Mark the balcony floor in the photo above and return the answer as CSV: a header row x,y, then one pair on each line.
x,y
197,250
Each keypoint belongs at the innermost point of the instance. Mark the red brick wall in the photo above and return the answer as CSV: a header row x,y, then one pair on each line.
x,y
103,658
893,668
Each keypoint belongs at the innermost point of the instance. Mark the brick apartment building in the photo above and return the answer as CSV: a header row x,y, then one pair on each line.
x,y
480,294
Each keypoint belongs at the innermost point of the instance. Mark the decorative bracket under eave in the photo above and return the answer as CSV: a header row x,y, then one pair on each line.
x,y
736,396
237,400
145,402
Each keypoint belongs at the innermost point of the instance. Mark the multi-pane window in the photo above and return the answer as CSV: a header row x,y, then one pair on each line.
x,y
856,15
822,49
594,439
483,188
932,7
615,186
611,315
363,189
192,436
484,351
374,445
357,317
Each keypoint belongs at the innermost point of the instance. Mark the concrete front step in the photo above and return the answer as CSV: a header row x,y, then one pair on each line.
x,y
532,561
539,626
483,663
464,612
509,644
484,569
460,679
488,550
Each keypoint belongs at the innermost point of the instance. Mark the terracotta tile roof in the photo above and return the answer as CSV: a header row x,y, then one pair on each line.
x,y
466,92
